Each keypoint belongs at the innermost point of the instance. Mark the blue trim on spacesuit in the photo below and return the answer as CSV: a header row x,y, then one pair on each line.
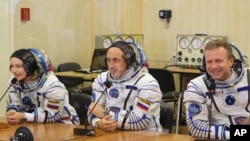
x,y
243,88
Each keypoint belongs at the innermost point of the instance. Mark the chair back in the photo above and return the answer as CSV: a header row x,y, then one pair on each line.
x,y
165,79
69,81
80,101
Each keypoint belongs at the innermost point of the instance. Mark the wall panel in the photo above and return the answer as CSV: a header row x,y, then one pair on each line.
x,y
66,29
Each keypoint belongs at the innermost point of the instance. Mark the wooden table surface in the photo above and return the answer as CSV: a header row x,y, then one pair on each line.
x,y
64,132
179,69
91,76
85,76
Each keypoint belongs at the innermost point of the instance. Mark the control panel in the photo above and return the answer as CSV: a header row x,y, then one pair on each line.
x,y
104,41
190,49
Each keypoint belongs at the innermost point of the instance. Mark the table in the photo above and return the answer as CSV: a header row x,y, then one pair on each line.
x,y
85,76
182,71
91,76
64,132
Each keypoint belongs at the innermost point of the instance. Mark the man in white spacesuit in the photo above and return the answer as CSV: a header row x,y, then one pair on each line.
x,y
129,96
35,93
220,97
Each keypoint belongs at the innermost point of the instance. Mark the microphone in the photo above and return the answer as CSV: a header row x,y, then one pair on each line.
x,y
13,82
211,88
86,131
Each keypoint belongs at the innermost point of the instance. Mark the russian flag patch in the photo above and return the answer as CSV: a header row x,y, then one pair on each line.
x,y
53,104
143,104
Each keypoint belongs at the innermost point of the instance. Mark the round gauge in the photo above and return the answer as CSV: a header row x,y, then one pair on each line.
x,y
208,39
196,43
184,42
106,42
130,39
118,39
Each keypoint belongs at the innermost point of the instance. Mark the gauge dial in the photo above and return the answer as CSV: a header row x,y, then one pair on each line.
x,y
118,39
107,41
208,39
196,43
130,39
184,42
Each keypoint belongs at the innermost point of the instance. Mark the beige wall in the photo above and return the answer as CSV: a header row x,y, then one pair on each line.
x,y
65,29
6,49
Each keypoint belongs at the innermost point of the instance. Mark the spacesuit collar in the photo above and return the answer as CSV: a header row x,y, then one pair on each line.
x,y
32,85
126,75
129,74
230,80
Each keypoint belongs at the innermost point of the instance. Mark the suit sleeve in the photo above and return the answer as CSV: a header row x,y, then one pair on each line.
x,y
195,101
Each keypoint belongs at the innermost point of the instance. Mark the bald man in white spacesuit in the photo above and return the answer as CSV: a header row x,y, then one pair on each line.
x,y
225,85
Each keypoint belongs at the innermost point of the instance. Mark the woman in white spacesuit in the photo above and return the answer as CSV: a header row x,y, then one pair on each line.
x,y
220,97
35,94
129,96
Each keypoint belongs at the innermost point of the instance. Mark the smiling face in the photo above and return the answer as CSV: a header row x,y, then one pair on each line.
x,y
218,64
116,63
17,69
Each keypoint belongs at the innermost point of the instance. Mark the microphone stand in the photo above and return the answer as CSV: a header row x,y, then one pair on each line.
x,y
86,131
210,116
209,122
211,88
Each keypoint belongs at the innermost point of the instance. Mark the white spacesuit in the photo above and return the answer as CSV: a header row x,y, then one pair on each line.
x,y
230,105
133,100
44,99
